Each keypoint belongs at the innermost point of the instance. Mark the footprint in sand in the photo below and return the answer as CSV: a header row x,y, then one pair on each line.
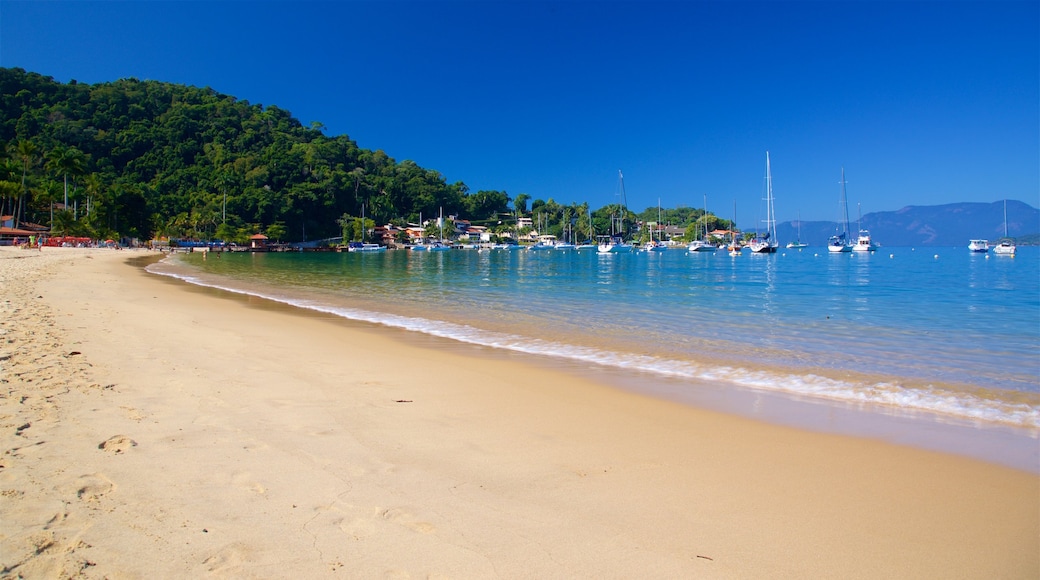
x,y
407,519
92,487
117,444
228,559
246,481
132,413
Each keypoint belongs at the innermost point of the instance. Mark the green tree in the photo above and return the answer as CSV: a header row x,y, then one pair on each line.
x,y
276,231
27,152
520,203
66,161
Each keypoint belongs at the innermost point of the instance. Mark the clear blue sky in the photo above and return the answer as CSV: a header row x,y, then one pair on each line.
x,y
922,102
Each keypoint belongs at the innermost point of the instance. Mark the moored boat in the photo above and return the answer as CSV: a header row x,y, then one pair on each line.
x,y
615,242
365,247
980,246
767,243
798,244
839,243
1006,247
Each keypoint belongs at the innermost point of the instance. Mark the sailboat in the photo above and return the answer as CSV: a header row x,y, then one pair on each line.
x,y
568,239
734,249
840,244
658,244
362,246
589,244
703,245
863,241
615,243
437,246
798,244
1006,247
767,245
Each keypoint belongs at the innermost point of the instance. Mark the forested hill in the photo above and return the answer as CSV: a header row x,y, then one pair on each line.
x,y
143,158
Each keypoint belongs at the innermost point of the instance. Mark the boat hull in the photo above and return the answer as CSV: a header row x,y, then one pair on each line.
x,y
614,248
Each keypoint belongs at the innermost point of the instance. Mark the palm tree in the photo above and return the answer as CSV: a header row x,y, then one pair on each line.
x,y
27,152
48,191
66,161
94,187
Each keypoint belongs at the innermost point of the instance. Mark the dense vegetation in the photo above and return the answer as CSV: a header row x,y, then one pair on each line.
x,y
140,159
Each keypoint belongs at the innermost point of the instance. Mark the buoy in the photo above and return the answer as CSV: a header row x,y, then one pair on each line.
x,y
937,256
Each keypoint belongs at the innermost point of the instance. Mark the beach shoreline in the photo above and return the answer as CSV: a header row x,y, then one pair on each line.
x,y
226,440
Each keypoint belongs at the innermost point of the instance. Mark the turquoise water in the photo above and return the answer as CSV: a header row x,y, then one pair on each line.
x,y
926,333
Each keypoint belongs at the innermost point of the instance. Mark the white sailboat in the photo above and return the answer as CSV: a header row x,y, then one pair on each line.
x,y
437,246
767,244
798,244
656,245
840,244
863,241
1006,247
615,242
362,246
703,245
590,243
734,248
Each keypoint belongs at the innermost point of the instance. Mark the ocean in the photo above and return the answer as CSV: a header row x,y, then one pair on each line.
x,y
934,347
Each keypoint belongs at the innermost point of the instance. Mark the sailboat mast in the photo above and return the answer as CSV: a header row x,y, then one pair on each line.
x,y
705,217
770,218
845,206
1005,219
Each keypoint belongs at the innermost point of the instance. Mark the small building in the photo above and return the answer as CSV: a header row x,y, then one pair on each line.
x,y
258,242
10,233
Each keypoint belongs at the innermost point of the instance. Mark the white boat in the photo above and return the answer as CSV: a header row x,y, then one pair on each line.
x,y
767,244
798,244
1006,247
436,246
615,242
545,242
365,247
703,245
431,247
568,234
506,247
980,246
656,245
613,245
734,248
839,244
863,241
590,243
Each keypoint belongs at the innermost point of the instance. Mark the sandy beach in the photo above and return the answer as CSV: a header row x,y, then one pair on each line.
x,y
155,430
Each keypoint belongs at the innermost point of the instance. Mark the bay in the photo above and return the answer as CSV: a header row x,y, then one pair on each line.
x,y
922,336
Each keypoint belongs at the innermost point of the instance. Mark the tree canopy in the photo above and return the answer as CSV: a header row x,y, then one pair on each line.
x,y
146,158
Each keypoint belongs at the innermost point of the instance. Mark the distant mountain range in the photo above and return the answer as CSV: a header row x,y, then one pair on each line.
x,y
952,224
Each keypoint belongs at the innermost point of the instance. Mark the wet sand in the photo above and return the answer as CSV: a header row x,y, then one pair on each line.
x,y
153,431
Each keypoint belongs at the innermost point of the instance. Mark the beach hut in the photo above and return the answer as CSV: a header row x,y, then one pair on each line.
x,y
258,243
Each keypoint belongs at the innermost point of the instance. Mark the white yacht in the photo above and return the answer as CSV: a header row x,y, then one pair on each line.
x,y
1006,247
981,246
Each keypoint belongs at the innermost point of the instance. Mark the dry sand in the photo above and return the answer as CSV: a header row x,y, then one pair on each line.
x,y
152,430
